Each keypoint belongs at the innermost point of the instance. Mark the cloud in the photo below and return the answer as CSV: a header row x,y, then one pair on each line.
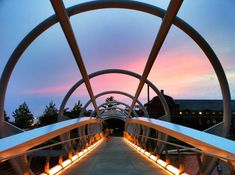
x,y
57,90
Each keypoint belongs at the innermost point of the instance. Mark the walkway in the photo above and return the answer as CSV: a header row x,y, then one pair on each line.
x,y
115,157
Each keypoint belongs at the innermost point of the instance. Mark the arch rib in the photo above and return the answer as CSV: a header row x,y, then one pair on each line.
x,y
118,103
124,112
114,92
109,71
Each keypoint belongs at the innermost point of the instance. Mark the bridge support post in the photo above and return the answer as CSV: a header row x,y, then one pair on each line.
x,y
47,165
60,161
209,164
166,154
181,166
231,167
92,136
89,134
145,134
21,165
138,134
82,132
200,165
70,154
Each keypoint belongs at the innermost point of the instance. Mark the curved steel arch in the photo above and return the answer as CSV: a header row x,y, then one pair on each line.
x,y
114,92
117,102
109,71
127,5
115,107
123,111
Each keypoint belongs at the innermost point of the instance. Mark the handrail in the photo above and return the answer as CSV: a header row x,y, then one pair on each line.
x,y
187,148
204,141
29,139
44,147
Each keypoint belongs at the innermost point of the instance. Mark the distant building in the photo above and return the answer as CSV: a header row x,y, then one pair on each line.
x,y
199,114
202,107
155,108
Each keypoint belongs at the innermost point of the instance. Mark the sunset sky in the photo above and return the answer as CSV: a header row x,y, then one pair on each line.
x,y
115,38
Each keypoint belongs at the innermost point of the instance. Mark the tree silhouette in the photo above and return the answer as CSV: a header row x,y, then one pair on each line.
x,y
75,112
88,112
49,115
6,117
110,99
23,116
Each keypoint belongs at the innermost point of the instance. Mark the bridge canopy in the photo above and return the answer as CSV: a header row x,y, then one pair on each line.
x,y
56,147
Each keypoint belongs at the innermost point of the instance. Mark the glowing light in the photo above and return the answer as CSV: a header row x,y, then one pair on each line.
x,y
200,113
154,158
80,154
173,169
180,112
161,162
74,157
147,153
55,169
169,168
66,163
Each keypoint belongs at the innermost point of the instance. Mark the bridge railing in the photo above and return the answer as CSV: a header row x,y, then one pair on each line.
x,y
189,150
42,151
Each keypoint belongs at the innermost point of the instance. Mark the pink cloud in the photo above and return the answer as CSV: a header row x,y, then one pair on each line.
x,y
58,90
179,72
135,65
49,90
176,72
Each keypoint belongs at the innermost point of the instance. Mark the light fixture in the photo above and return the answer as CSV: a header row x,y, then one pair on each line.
x,y
65,164
55,169
171,169
75,157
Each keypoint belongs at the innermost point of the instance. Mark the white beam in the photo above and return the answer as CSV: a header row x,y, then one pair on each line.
x,y
68,31
163,31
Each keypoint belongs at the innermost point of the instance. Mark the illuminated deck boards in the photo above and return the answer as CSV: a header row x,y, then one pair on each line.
x,y
114,157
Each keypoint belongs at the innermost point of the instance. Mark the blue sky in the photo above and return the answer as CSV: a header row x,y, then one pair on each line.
x,y
115,38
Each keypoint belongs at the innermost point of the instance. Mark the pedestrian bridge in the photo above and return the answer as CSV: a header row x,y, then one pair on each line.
x,y
148,145
187,151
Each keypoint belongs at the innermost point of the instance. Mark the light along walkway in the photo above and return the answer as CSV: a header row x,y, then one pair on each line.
x,y
114,158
